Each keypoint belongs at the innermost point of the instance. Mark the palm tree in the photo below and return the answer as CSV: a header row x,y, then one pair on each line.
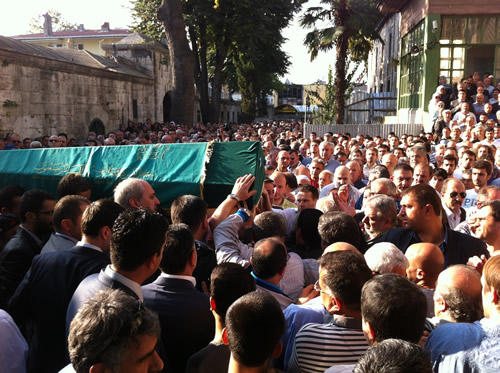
x,y
350,28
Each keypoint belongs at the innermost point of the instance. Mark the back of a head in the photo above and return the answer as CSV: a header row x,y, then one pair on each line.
x,y
384,206
127,189
337,226
345,273
72,184
138,234
394,307
105,327
32,201
491,273
269,224
178,249
269,257
255,324
99,214
190,210
394,356
229,282
8,194
307,221
68,207
385,257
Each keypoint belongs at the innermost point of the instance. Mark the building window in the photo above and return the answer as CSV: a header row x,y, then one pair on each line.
x,y
412,68
78,46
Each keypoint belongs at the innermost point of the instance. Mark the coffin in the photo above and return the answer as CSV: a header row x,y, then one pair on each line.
x,y
208,170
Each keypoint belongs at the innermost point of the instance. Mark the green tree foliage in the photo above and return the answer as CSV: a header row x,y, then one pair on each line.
x,y
58,22
350,29
145,20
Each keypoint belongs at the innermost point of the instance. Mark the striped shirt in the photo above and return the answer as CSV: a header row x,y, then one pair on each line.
x,y
319,346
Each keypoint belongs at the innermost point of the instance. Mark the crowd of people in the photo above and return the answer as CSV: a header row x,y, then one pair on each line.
x,y
363,254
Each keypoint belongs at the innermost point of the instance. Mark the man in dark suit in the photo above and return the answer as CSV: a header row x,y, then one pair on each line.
x,y
186,321
40,302
420,217
136,249
36,212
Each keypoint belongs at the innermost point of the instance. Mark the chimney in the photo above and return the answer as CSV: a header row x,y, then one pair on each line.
x,y
105,27
81,28
47,25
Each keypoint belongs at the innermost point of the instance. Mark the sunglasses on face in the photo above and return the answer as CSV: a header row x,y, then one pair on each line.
x,y
455,194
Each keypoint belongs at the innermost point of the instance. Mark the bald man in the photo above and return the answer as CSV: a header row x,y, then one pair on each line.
x,y
341,246
283,160
426,263
457,297
390,161
342,176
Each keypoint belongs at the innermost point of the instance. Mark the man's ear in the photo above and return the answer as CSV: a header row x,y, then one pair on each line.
x,y
66,224
213,307
335,305
439,303
224,336
99,368
420,274
278,350
133,202
105,232
368,332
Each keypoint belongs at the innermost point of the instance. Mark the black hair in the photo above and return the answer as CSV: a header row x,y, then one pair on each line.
x,y
178,249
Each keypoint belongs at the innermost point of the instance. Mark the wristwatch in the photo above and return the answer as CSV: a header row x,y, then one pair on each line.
x,y
233,196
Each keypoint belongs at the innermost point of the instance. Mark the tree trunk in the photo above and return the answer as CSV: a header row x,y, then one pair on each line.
x,y
200,57
341,45
170,13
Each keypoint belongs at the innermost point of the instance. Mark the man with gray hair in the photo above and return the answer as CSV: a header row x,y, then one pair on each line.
x,y
385,257
136,193
326,154
113,331
380,214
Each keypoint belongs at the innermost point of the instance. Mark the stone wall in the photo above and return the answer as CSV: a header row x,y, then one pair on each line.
x,y
47,96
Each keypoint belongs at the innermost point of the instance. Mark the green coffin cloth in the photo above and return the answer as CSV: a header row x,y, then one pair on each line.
x,y
208,170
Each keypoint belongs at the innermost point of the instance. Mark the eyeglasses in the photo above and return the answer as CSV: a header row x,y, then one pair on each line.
x,y
455,194
50,212
53,140
317,287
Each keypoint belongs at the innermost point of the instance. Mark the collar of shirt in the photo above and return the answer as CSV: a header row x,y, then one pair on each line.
x,y
37,240
451,215
72,239
89,245
347,322
180,277
267,285
132,285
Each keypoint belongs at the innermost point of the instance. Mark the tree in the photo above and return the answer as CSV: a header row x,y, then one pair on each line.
x,y
144,14
351,30
58,22
170,13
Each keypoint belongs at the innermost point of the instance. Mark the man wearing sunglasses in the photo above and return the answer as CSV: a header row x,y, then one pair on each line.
x,y
452,197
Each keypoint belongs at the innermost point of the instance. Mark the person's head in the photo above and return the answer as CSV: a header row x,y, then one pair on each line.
x,y
438,176
307,197
269,224
481,171
254,326
449,164
190,210
488,223
342,176
402,176
325,151
97,222
420,207
491,283
426,262
67,217
341,277
378,171
385,257
317,166
383,186
325,178
269,259
457,296
355,170
283,160
72,184
392,307
453,194
337,226
280,191
179,254
371,155
395,356
138,239
422,174
467,160
380,214
136,193
114,332
36,210
487,193
390,161
10,199
228,282
306,231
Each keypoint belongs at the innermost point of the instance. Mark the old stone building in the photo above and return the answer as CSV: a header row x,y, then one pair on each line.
x,y
48,90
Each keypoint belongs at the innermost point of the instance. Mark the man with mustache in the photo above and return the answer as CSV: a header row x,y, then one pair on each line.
x,y
452,196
